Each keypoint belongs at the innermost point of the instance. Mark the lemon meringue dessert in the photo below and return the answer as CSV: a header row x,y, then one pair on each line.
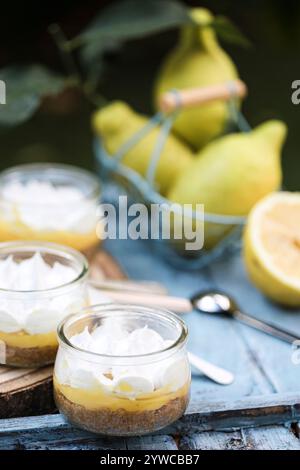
x,y
55,203
122,370
40,284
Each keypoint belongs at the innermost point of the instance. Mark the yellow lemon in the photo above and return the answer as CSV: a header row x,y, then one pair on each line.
x,y
117,122
272,247
231,174
197,60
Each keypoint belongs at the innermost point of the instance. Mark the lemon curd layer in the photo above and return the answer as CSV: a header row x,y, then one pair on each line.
x,y
21,339
19,231
97,398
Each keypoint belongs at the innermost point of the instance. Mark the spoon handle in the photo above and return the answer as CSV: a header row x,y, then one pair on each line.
x,y
147,287
268,328
215,373
175,304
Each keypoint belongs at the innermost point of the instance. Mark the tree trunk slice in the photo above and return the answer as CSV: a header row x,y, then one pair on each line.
x,y
25,392
28,392
103,266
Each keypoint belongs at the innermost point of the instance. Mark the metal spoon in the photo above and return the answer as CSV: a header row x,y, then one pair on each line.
x,y
212,302
215,373
219,303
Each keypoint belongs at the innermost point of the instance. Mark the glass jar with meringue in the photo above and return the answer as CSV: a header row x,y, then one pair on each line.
x,y
122,370
40,284
50,202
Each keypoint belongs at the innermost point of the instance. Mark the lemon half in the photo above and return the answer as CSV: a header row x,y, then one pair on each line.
x,y
272,247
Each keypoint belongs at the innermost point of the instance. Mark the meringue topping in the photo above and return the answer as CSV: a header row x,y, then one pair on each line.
x,y
35,314
33,274
76,214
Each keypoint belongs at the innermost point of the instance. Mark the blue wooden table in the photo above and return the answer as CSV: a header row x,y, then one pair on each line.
x,y
261,409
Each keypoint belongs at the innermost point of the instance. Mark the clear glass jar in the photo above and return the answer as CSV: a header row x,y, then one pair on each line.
x,y
29,317
71,222
122,395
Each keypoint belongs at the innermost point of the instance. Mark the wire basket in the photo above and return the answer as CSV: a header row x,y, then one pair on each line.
x,y
225,228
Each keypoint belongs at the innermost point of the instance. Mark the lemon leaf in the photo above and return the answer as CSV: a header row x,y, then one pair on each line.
x,y
132,19
25,87
229,32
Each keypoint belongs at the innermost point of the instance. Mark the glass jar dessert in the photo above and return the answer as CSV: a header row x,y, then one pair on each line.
x,y
40,284
50,202
122,370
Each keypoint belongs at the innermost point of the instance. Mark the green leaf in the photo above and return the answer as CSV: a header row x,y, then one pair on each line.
x,y
25,87
132,19
91,56
229,32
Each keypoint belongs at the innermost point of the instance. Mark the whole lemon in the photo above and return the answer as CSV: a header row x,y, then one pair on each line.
x,y
197,61
231,174
117,122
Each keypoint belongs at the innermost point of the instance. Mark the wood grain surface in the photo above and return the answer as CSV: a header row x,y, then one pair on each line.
x,y
52,432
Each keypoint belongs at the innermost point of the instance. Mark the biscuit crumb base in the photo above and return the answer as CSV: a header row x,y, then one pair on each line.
x,y
121,422
30,357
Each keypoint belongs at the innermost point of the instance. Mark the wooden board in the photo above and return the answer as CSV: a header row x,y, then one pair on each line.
x,y
52,432
263,438
25,392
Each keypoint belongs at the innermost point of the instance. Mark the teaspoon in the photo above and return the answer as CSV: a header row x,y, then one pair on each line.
x,y
216,374
212,302
219,303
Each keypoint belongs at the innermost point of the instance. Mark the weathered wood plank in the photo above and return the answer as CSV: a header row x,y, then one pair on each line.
x,y
271,438
213,441
263,438
89,443
158,442
54,433
94,443
249,412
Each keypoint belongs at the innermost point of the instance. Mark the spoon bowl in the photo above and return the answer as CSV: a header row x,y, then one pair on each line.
x,y
214,302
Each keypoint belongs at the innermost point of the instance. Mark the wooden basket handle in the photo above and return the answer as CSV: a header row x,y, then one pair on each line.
x,y
191,97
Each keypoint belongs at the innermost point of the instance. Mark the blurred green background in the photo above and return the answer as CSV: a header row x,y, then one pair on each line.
x,y
60,131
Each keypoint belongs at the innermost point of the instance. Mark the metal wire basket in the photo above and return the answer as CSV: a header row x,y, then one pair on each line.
x,y
140,189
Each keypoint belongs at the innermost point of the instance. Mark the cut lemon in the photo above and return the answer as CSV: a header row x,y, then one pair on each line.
x,y
272,247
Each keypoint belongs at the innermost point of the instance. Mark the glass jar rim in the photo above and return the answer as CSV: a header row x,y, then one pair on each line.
x,y
111,308
46,247
94,183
